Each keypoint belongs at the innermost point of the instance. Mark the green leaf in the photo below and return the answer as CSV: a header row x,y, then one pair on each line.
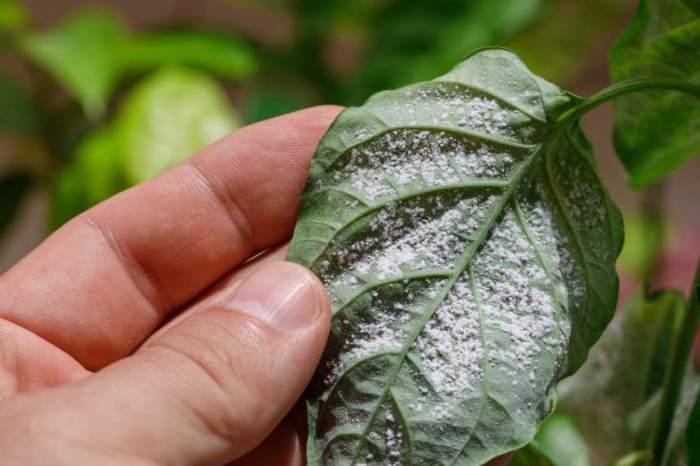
x,y
625,370
83,53
468,247
13,16
169,116
425,38
68,197
681,445
97,160
530,455
561,441
636,458
222,54
263,104
13,188
657,132
692,434
18,111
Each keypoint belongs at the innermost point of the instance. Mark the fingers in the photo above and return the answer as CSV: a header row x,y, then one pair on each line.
x,y
103,282
208,389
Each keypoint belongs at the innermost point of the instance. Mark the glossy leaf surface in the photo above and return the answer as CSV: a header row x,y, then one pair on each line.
x,y
468,248
656,132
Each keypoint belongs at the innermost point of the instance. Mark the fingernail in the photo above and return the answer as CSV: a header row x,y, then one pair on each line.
x,y
282,294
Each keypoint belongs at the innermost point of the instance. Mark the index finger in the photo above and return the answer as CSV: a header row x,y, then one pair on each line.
x,y
101,284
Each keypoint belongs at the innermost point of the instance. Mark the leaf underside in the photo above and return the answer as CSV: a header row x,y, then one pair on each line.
x,y
468,246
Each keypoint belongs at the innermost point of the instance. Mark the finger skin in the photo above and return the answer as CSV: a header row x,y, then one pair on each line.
x,y
207,391
103,282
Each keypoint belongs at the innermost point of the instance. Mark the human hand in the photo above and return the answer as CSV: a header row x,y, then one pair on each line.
x,y
91,369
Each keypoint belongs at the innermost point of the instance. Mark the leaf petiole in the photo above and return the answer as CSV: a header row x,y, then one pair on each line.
x,y
622,88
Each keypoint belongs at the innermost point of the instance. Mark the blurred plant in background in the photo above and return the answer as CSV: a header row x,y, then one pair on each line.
x,y
91,106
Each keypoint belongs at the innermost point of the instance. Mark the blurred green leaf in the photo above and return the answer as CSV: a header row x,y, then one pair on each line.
x,y
636,458
692,434
530,455
68,198
18,111
222,54
93,175
261,105
559,46
169,116
13,16
97,161
83,53
13,189
427,38
657,132
624,371
682,445
644,238
560,440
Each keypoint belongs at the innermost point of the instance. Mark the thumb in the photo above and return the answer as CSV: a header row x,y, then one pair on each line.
x,y
213,384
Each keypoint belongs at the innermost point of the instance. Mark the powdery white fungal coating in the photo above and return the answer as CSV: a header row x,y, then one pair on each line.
x,y
458,253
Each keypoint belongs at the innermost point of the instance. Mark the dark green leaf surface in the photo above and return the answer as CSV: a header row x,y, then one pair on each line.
x,y
13,188
169,116
613,398
84,54
656,132
468,248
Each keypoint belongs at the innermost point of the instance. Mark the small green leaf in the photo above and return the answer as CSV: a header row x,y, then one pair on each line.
x,y
530,455
218,53
169,116
625,370
468,248
561,441
13,188
84,54
18,111
657,132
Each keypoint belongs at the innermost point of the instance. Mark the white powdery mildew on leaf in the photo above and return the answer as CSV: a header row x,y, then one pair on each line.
x,y
454,106
400,161
460,256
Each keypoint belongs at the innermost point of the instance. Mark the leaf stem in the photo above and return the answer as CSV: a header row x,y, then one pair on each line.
x,y
676,374
628,86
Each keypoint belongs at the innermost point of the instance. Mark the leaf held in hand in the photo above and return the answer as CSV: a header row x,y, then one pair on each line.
x,y
468,247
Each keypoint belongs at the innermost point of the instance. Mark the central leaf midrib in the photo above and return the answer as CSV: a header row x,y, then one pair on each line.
x,y
461,266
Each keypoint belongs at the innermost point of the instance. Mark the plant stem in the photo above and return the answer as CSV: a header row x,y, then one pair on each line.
x,y
626,87
676,374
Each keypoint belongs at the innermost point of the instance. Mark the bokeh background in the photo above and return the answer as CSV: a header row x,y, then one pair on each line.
x,y
98,96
